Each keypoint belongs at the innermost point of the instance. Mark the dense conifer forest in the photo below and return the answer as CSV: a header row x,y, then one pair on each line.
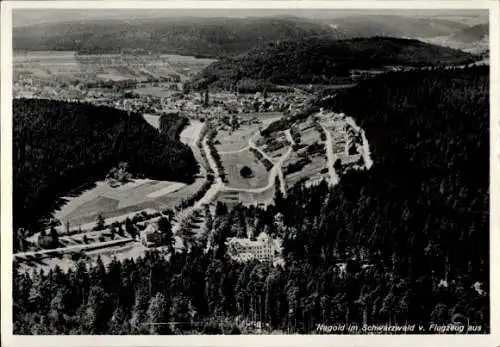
x,y
324,60
405,242
59,147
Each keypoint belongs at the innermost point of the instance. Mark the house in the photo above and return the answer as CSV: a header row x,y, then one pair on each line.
x,y
243,249
151,236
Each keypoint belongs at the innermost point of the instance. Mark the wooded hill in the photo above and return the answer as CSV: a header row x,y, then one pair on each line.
x,y
406,242
215,37
323,60
202,37
59,146
472,34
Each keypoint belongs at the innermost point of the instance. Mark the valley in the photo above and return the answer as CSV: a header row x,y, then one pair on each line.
x,y
251,175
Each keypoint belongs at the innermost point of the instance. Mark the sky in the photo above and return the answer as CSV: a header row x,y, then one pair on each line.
x,y
33,17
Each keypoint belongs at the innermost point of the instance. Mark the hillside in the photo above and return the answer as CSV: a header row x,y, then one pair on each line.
x,y
392,25
324,60
472,34
215,37
474,40
208,37
60,146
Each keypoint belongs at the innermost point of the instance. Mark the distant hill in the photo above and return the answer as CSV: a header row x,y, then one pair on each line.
x,y
207,37
396,26
474,39
214,37
59,146
472,34
320,60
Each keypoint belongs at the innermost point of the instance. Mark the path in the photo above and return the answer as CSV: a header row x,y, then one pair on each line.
x,y
211,192
236,151
74,248
275,171
366,148
334,178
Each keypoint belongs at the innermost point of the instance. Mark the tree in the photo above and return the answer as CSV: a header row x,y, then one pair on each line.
x,y
120,230
157,313
338,166
182,312
130,228
100,224
206,98
246,172
165,228
55,237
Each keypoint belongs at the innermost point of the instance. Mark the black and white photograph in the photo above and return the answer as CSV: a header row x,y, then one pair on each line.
x,y
248,171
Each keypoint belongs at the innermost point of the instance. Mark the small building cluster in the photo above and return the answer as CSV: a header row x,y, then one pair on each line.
x,y
151,236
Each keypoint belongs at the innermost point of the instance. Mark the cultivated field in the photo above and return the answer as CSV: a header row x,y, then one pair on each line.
x,y
70,67
234,162
131,197
161,92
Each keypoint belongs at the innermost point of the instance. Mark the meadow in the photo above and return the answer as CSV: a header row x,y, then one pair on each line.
x,y
129,198
234,162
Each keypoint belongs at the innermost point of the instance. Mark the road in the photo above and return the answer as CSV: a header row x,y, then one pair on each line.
x,y
334,178
275,171
211,193
366,148
74,248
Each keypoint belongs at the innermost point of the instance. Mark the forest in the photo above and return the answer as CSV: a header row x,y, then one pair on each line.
x,y
172,124
60,148
200,37
325,60
406,242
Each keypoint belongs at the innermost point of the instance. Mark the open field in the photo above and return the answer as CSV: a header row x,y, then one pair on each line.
x,y
309,136
232,141
234,162
131,197
161,92
190,133
185,65
152,119
69,67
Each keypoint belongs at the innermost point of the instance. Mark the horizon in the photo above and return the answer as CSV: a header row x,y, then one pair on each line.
x,y
28,18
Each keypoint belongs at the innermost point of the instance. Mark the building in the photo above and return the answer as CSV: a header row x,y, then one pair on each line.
x,y
243,249
151,236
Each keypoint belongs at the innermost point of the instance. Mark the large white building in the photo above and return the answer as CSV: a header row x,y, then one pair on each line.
x,y
242,249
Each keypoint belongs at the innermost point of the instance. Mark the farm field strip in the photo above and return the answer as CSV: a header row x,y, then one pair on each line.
x,y
167,190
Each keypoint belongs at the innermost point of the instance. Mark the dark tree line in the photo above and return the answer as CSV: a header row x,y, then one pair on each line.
x,y
326,60
171,125
59,147
405,242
